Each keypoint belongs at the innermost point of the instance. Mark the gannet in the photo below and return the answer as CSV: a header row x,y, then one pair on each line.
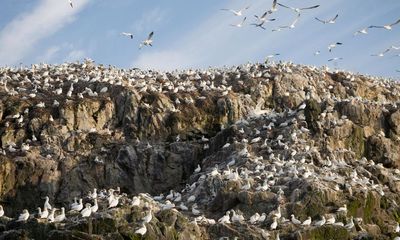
x,y
226,218
297,10
127,34
77,207
142,231
95,207
396,229
239,25
148,217
320,222
23,216
293,25
307,222
114,202
381,54
333,45
237,218
60,217
254,219
86,211
274,224
350,225
331,21
294,220
331,220
44,213
335,59
50,218
136,201
236,13
70,3
1,211
342,209
387,27
198,169
148,41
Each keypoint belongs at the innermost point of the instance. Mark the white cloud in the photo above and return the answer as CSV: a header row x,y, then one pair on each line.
x,y
75,55
19,37
49,54
150,18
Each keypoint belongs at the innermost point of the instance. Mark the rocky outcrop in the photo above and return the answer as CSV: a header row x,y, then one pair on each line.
x,y
302,139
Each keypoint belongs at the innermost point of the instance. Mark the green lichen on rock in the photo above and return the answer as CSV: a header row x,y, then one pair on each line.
x,y
328,232
356,141
312,112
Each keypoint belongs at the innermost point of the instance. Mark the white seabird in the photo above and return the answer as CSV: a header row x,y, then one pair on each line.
x,y
77,207
127,34
148,41
60,217
236,12
86,212
335,59
95,207
333,45
23,216
298,10
293,25
1,211
51,218
142,231
387,27
382,54
46,203
239,25
331,21
148,217
70,3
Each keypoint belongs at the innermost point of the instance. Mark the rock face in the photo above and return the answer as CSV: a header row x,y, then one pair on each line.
x,y
303,140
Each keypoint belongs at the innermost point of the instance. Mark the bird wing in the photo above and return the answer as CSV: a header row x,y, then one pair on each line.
x,y
374,26
320,20
274,4
245,8
333,19
280,4
297,19
150,35
244,19
397,22
264,14
312,7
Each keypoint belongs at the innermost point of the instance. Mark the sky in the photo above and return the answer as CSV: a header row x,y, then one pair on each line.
x,y
197,34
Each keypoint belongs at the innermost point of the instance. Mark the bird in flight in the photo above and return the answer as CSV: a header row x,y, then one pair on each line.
x,y
293,25
331,21
273,9
298,10
148,41
333,45
382,53
362,31
236,12
260,25
127,34
239,25
387,27
272,55
70,3
335,59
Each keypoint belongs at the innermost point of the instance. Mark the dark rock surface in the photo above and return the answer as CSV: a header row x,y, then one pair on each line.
x,y
303,139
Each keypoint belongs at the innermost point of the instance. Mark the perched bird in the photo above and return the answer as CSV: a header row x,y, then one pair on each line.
x,y
127,34
51,218
350,225
148,41
148,217
60,217
77,207
23,216
95,206
331,21
142,231
236,12
387,27
198,169
43,214
135,201
320,222
274,224
46,203
226,218
1,211
342,209
294,220
87,210
307,222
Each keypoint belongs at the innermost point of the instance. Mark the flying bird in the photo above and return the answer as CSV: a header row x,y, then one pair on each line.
x,y
335,59
298,10
274,9
362,31
272,55
381,54
260,25
148,41
331,21
263,17
127,34
238,12
317,53
293,25
395,48
334,45
387,27
239,25
70,3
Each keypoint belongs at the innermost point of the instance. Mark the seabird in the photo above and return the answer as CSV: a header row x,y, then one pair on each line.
x,y
136,201
142,231
274,9
362,31
320,222
307,222
350,225
225,218
47,204
294,220
86,211
198,169
77,207
331,21
70,3
387,27
50,218
127,34
148,41
333,45
239,25
381,54
335,59
23,216
293,25
60,217
272,55
297,10
260,25
238,12
44,213
95,207
1,211
148,217
274,224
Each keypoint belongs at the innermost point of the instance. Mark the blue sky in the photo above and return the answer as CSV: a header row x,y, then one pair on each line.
x,y
196,34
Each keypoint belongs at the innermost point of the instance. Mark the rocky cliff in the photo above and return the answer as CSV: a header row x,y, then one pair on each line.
x,y
232,152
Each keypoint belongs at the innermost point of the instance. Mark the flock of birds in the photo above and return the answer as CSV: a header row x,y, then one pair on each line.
x,y
271,149
266,17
